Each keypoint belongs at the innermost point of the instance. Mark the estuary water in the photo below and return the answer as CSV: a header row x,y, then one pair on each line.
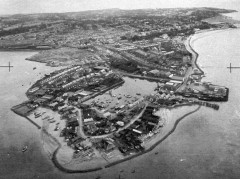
x,y
205,144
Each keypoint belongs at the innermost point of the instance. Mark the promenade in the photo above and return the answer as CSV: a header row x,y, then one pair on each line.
x,y
193,63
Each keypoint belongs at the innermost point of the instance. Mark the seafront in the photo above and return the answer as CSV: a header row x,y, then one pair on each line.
x,y
62,155
180,136
171,117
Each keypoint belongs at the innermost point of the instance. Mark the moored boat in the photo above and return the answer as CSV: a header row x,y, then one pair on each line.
x,y
24,149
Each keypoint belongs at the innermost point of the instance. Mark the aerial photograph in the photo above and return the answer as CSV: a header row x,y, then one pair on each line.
x,y
109,89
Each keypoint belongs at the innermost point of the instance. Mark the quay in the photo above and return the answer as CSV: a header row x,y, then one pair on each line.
x,y
145,77
23,110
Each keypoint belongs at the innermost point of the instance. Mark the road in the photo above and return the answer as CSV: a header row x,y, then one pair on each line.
x,y
193,63
80,122
144,77
107,135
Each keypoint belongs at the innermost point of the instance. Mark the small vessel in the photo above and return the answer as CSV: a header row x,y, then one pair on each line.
x,y
37,115
47,117
50,119
24,149
56,128
128,96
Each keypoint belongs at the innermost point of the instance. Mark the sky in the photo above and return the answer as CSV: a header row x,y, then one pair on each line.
x,y
45,6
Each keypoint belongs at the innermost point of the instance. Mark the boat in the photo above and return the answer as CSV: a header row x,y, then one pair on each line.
x,y
47,117
24,149
51,118
56,128
37,115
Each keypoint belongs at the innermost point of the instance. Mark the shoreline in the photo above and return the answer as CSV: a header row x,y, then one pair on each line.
x,y
193,52
67,170
54,159
19,50
159,141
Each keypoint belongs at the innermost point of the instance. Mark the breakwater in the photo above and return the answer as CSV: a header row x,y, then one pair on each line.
x,y
14,109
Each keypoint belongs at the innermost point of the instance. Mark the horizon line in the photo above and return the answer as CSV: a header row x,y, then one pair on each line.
x,y
1,15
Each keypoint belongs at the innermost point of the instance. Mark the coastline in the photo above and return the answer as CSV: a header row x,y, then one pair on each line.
x,y
151,147
19,50
195,55
195,58
190,41
62,168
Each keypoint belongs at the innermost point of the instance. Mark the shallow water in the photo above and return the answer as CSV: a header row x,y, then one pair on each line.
x,y
15,131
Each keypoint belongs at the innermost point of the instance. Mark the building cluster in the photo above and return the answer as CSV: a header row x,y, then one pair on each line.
x,y
128,139
145,44
106,122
